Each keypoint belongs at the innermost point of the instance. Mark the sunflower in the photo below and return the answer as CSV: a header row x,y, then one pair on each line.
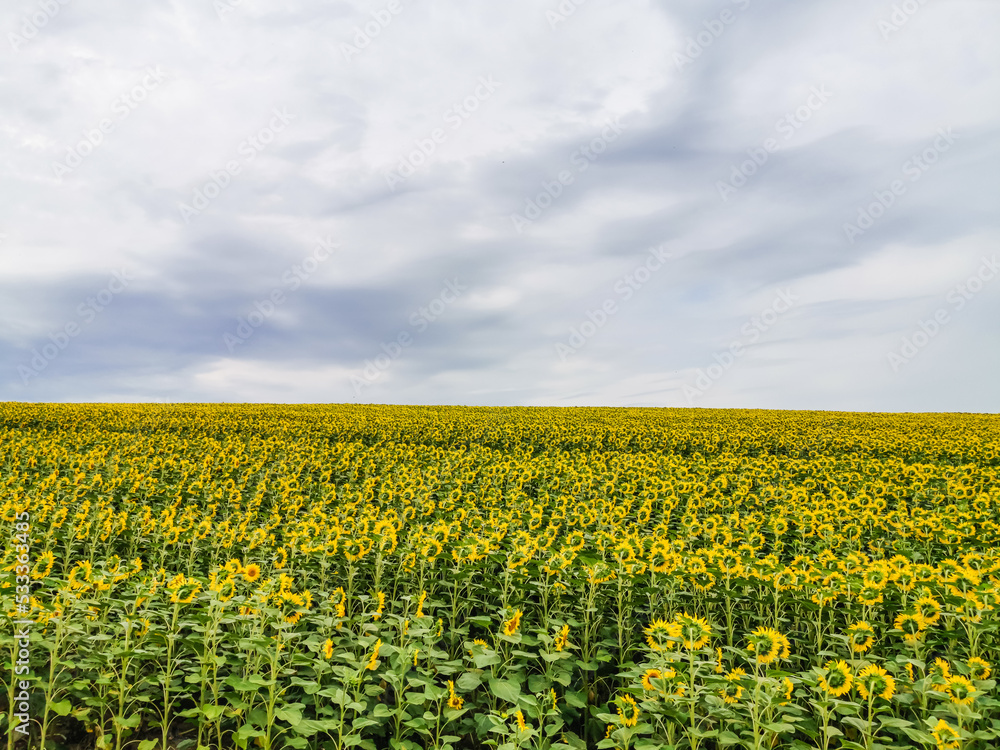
x,y
647,679
877,576
341,605
946,736
184,591
960,690
695,631
789,687
37,573
562,638
733,690
912,624
939,673
510,626
291,606
861,637
519,718
420,604
81,568
662,635
251,572
836,679
224,589
381,605
978,668
453,700
874,680
373,659
929,609
768,644
628,710
234,566
870,596
328,649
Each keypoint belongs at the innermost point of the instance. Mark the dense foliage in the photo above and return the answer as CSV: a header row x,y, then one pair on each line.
x,y
446,577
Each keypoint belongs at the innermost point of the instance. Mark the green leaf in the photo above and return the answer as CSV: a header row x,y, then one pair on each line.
x,y
895,722
212,712
242,685
248,731
860,724
486,660
504,690
61,707
148,744
289,714
918,735
537,683
468,682
779,727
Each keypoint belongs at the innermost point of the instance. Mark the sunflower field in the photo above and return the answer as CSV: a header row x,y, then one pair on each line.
x,y
361,576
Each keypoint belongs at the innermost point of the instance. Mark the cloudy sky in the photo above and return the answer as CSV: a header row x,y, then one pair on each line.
x,y
739,203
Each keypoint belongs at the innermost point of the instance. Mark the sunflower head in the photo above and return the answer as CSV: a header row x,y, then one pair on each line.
x,y
874,680
732,691
628,710
946,736
662,635
767,645
960,690
939,672
647,679
979,669
695,631
836,679
912,624
860,636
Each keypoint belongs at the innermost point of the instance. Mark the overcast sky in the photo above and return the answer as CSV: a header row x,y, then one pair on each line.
x,y
741,203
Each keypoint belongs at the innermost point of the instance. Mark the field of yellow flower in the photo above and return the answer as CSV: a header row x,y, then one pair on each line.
x,y
345,576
